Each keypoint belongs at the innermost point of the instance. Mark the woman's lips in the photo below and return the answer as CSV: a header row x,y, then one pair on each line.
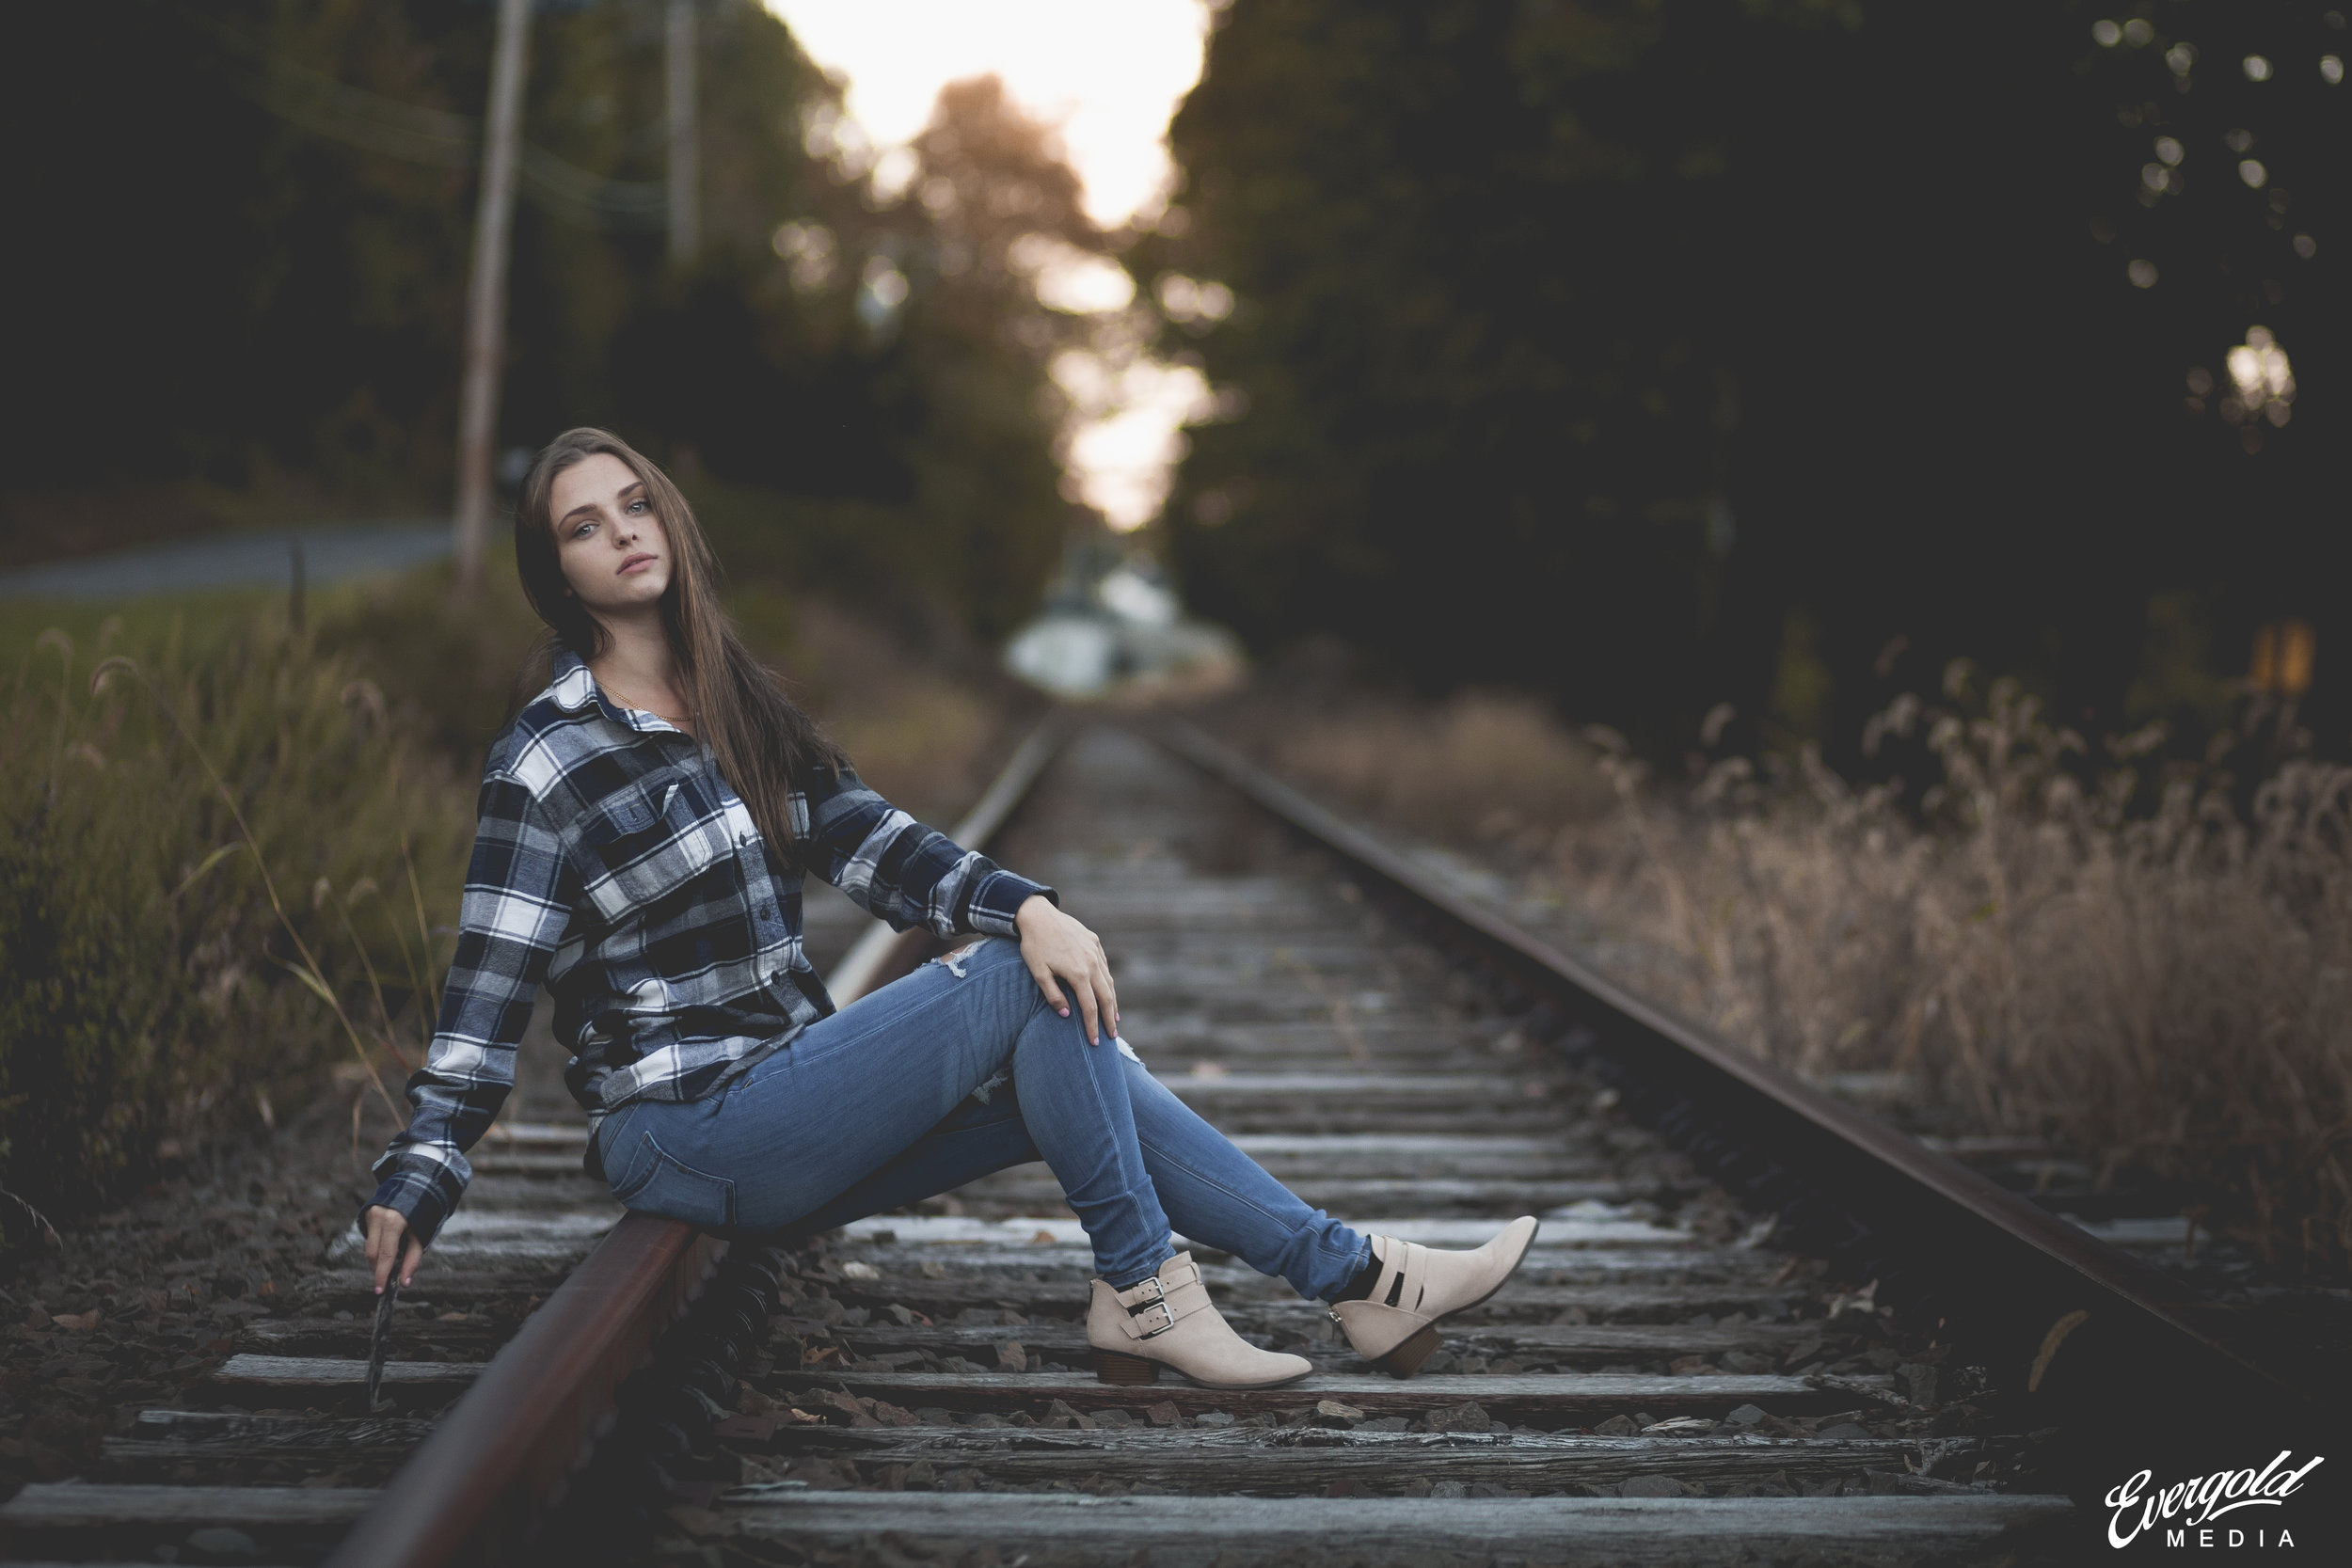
x,y
634,563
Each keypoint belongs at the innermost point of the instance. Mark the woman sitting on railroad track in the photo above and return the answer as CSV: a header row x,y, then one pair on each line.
x,y
645,822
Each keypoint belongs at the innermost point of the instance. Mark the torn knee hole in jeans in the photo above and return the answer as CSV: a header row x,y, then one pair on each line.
x,y
1004,1076
955,960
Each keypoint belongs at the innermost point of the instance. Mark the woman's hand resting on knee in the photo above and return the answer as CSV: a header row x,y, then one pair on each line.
x,y
1058,949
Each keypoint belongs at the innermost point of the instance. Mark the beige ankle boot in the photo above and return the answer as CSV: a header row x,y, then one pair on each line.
x,y
1168,1322
1394,1329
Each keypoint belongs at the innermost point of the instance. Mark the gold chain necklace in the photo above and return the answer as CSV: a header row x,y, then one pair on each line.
x,y
647,707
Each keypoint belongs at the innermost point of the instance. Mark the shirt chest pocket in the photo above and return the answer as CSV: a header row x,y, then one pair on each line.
x,y
645,842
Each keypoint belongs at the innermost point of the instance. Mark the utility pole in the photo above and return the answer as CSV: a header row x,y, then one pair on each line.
x,y
685,149
486,295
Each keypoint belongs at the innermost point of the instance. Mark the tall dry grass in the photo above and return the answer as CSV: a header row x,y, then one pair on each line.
x,y
2161,989
1391,758
216,873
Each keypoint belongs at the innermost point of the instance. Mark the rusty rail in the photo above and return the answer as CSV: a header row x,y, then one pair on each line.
x,y
2064,1295
475,1489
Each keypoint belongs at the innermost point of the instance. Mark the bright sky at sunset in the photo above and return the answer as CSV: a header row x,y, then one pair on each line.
x,y
1110,72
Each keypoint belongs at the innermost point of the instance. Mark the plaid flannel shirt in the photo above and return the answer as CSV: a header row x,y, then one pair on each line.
x,y
614,863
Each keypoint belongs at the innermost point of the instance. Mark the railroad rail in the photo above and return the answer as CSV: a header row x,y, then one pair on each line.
x,y
516,1428
1756,1319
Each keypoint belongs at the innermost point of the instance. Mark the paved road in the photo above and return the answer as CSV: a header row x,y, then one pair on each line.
x,y
329,554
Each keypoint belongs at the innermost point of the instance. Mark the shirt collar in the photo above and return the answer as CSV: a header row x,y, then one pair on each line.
x,y
574,687
576,691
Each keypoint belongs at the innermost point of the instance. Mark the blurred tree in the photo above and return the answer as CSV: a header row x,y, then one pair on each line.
x,y
2215,144
889,349
250,253
1634,350
200,283
991,204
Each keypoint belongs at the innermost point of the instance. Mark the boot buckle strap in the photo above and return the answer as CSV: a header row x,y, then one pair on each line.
x,y
1142,1328
1151,1292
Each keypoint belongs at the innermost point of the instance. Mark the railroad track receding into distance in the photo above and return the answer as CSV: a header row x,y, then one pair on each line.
x,y
1756,1325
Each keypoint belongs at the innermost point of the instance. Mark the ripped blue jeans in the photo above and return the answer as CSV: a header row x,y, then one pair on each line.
x,y
901,1096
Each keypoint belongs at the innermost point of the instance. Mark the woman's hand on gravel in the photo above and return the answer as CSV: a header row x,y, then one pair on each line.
x,y
1058,949
387,1229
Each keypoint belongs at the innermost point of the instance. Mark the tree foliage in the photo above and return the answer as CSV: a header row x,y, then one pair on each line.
x,y
1670,352
248,257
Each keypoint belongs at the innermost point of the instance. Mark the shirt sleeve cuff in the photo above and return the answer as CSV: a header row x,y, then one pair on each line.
x,y
415,1192
999,898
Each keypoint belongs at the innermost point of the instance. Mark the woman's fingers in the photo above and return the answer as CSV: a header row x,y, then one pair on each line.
x,y
384,1231
1105,999
1042,973
387,1230
1061,952
1082,985
1050,976
1098,1000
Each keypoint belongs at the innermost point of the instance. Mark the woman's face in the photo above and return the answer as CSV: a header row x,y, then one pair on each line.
x,y
607,538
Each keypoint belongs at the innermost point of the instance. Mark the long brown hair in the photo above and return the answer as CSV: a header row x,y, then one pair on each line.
x,y
764,743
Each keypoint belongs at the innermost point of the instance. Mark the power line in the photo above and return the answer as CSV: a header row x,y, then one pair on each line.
x,y
339,112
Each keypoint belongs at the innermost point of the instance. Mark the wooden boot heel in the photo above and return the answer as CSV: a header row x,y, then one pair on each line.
x,y
1125,1371
1394,1325
1406,1358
